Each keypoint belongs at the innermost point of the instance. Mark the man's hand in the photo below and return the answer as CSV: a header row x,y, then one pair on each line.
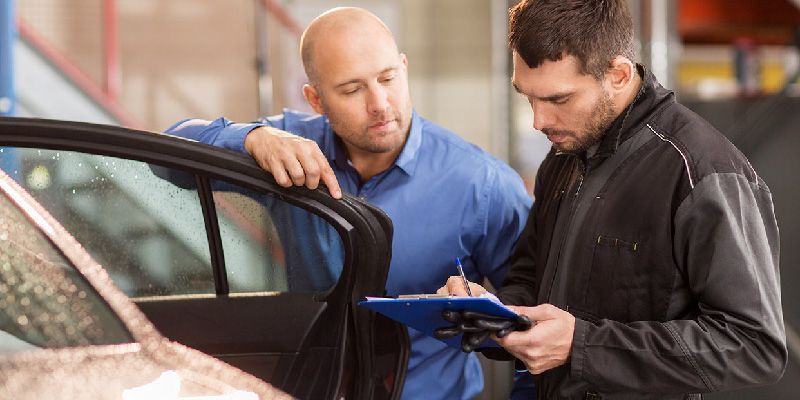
x,y
291,159
547,344
455,286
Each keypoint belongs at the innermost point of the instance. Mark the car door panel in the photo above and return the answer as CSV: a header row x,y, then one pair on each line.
x,y
310,340
236,325
242,331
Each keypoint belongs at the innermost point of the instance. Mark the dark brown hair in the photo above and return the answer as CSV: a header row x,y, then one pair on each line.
x,y
593,31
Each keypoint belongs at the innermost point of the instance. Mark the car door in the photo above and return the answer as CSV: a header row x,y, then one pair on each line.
x,y
219,257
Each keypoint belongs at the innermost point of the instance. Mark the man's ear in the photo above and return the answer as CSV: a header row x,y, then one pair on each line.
x,y
620,73
312,97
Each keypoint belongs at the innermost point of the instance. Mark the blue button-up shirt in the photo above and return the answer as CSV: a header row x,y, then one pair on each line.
x,y
447,198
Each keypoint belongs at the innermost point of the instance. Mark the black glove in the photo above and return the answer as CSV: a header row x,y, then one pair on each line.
x,y
476,327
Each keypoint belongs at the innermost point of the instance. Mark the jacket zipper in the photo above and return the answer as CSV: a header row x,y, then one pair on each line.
x,y
580,184
572,208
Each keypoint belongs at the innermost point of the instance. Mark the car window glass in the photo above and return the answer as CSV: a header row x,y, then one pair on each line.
x,y
148,233
271,245
44,301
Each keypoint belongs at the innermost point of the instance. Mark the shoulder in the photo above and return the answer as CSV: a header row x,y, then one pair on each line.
x,y
495,189
704,149
459,155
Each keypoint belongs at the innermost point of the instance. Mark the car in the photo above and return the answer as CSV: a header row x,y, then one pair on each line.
x,y
218,257
68,333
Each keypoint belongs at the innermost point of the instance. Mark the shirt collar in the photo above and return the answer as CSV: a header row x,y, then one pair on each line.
x,y
406,159
334,149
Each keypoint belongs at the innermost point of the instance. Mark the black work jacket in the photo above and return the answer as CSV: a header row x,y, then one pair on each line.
x,y
664,246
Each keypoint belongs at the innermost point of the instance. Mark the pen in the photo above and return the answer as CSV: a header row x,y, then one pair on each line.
x,y
463,278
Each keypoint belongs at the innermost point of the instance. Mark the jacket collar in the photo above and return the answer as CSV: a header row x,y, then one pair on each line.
x,y
651,96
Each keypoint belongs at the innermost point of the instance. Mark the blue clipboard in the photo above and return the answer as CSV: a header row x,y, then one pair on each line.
x,y
424,313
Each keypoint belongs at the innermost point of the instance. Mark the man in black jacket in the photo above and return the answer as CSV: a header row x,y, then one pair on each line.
x,y
650,259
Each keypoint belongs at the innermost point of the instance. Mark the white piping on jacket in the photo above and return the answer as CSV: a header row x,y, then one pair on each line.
x,y
685,160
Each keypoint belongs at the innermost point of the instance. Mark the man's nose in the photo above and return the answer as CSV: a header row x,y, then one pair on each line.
x,y
541,117
378,101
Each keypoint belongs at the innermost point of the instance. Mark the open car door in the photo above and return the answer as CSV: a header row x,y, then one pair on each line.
x,y
221,258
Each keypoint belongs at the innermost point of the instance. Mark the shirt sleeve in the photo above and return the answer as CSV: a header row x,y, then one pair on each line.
x,y
220,132
506,209
726,246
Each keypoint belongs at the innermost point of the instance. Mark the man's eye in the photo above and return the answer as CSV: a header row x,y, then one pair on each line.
x,y
387,79
560,101
351,91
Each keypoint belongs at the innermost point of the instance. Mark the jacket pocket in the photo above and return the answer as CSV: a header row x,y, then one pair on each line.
x,y
582,314
618,285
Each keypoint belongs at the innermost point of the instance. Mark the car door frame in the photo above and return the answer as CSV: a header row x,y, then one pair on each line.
x,y
373,351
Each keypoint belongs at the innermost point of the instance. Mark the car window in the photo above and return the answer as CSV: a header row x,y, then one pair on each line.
x,y
149,234
144,223
44,301
273,246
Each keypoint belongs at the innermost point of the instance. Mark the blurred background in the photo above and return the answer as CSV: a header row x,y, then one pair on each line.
x,y
149,63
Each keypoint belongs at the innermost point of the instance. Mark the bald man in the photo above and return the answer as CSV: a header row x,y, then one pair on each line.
x,y
446,197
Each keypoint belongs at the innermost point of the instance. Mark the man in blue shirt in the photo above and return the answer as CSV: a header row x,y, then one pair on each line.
x,y
446,197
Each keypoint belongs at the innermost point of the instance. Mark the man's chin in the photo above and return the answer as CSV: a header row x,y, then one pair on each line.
x,y
574,146
565,147
385,143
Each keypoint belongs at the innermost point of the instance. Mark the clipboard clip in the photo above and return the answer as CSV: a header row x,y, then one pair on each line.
x,y
423,296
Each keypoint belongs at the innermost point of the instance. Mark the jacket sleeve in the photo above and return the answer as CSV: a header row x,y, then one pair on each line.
x,y
726,248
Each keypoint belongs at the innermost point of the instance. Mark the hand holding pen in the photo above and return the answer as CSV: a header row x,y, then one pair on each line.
x,y
463,277
460,286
